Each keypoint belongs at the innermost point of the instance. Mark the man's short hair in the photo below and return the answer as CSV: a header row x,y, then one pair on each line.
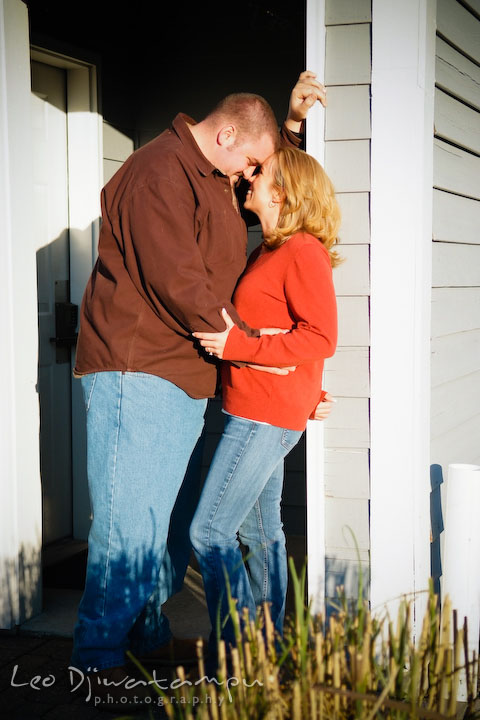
x,y
252,115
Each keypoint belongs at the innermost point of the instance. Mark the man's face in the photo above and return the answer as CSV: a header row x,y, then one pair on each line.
x,y
242,158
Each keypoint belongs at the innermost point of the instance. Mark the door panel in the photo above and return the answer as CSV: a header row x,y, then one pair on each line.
x,y
50,165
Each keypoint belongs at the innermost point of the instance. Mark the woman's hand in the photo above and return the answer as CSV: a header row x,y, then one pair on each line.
x,y
214,343
324,408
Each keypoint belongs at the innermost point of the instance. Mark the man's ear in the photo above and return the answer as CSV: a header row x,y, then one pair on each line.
x,y
227,135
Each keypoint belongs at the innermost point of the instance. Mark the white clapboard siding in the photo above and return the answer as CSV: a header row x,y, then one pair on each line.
x,y
343,575
353,321
347,163
460,445
456,219
454,356
355,209
116,145
473,5
459,27
454,403
352,276
348,425
455,310
343,12
347,373
347,473
456,122
347,116
456,170
347,55
110,167
455,265
343,515
457,74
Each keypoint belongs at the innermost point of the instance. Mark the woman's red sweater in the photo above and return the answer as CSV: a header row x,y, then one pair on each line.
x,y
289,287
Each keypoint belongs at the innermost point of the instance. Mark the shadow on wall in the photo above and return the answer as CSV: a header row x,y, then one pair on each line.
x,y
20,596
437,526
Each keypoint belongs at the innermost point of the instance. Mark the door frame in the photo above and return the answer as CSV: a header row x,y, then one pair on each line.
x,y
85,181
20,493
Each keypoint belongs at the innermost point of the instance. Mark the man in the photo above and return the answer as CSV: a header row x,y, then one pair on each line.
x,y
172,246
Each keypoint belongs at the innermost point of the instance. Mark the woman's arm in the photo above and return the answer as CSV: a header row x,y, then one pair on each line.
x,y
310,297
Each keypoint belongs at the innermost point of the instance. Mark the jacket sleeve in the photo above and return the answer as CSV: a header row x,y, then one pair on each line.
x,y
311,301
164,260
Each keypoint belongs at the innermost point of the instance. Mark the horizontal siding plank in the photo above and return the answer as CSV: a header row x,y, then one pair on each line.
x,y
454,403
456,170
455,218
347,373
347,116
459,27
456,122
473,5
347,163
457,74
347,473
455,265
342,571
453,356
348,425
353,321
355,209
460,445
110,167
116,145
342,12
455,310
352,276
343,515
347,55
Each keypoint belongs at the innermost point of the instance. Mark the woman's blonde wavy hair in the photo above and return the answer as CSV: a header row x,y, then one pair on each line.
x,y
308,201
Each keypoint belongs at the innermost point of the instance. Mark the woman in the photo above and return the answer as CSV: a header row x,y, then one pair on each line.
x,y
287,284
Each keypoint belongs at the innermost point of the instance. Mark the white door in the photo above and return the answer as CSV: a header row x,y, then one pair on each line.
x,y
50,210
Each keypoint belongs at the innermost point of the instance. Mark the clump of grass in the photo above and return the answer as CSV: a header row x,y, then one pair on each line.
x,y
355,666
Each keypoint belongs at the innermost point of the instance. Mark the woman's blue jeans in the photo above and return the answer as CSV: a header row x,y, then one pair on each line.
x,y
141,431
240,500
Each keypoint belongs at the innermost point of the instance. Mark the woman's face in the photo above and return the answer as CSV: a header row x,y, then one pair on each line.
x,y
261,194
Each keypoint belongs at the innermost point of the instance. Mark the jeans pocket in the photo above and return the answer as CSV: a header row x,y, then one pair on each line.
x,y
88,384
290,438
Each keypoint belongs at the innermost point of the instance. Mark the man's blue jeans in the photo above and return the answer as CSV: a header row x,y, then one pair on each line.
x,y
141,431
242,493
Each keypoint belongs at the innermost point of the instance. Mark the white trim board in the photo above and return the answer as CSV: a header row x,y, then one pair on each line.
x,y
315,42
401,177
20,492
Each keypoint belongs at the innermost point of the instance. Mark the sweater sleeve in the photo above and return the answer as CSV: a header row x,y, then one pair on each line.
x,y
311,301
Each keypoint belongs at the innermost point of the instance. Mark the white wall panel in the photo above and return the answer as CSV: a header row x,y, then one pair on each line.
x,y
455,355
460,27
347,163
341,12
347,473
348,425
347,373
456,170
455,218
355,209
456,122
347,60
455,310
455,265
347,116
353,321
